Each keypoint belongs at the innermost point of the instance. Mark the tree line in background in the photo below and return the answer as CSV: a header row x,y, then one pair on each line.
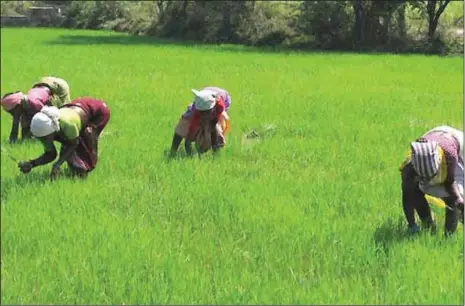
x,y
425,26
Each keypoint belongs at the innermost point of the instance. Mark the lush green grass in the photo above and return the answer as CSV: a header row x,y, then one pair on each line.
x,y
310,215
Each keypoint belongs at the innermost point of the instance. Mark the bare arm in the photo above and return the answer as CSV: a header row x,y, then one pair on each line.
x,y
188,146
408,193
450,184
175,143
214,135
14,128
66,154
48,156
26,132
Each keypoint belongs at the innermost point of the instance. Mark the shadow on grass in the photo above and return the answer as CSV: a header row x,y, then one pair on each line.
x,y
123,39
32,180
182,155
21,181
75,40
126,39
390,233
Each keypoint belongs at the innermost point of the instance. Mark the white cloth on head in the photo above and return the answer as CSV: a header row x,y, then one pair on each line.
x,y
45,122
204,99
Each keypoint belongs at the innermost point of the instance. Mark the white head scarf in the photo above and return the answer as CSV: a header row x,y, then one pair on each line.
x,y
204,99
45,122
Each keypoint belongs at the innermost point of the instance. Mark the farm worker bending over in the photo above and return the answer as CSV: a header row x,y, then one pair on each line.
x,y
434,167
219,91
210,102
15,104
77,126
49,91
56,88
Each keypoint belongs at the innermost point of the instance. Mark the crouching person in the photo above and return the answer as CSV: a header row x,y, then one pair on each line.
x,y
77,126
206,122
434,167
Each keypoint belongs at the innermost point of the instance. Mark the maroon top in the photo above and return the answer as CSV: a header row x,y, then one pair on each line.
x,y
97,111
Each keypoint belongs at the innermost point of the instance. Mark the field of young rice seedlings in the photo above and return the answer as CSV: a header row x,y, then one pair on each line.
x,y
309,212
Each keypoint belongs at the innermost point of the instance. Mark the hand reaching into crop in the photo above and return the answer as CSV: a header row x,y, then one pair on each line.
x,y
413,229
460,207
25,167
54,173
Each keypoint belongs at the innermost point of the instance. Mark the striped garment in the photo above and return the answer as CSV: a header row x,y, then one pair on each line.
x,y
426,158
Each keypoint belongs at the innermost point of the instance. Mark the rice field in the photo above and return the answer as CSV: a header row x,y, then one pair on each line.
x,y
308,213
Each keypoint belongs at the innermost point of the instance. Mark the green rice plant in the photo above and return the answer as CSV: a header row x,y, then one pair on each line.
x,y
310,215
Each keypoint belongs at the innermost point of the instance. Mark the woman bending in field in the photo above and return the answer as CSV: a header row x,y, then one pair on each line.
x,y
77,126
210,106
15,103
49,91
56,88
434,167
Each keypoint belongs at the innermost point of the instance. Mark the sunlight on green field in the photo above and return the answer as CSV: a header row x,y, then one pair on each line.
x,y
310,215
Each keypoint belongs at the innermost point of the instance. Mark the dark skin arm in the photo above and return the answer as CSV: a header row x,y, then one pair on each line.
x,y
177,141
450,184
26,132
25,121
64,156
408,192
50,152
219,108
14,130
214,136
188,146
188,141
48,156
16,113
451,215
